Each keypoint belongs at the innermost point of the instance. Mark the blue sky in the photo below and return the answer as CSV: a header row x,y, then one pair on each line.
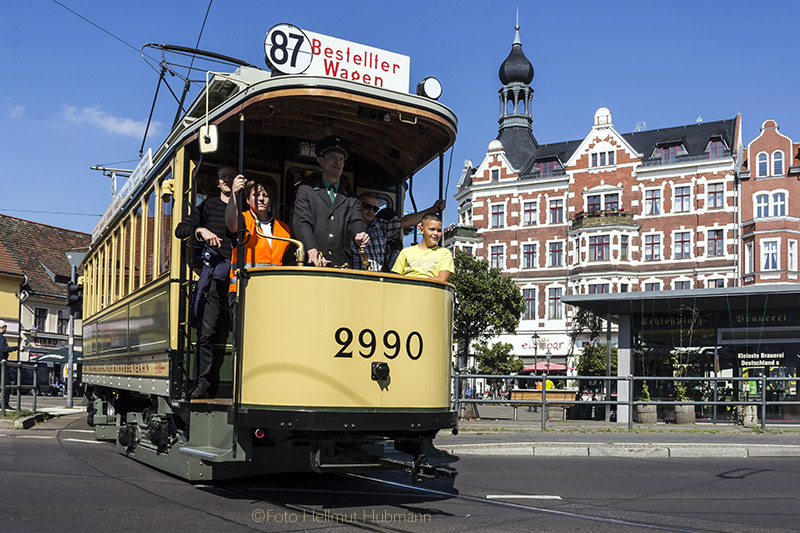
x,y
74,96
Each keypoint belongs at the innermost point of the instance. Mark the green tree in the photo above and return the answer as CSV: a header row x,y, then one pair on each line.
x,y
592,361
488,303
497,360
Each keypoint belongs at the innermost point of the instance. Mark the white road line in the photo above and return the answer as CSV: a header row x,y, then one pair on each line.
x,y
33,436
86,441
522,497
78,430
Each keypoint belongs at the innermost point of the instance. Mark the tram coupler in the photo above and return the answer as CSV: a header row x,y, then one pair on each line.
x,y
419,468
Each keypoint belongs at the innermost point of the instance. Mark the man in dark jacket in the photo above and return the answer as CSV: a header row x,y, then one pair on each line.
x,y
327,217
210,305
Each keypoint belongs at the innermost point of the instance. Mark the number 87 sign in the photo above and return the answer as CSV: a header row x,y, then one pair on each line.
x,y
287,49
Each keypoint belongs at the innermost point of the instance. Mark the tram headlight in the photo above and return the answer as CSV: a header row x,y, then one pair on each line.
x,y
380,371
430,87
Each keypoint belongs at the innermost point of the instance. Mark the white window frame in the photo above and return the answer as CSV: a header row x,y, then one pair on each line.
x,y
770,252
762,158
777,158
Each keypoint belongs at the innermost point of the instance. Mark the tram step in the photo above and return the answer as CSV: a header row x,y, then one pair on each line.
x,y
207,453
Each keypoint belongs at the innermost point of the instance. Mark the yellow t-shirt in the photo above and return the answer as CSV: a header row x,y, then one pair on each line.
x,y
423,262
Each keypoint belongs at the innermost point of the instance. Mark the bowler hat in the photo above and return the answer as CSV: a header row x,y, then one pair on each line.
x,y
332,142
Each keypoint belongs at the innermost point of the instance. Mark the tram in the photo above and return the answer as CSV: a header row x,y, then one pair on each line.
x,y
332,367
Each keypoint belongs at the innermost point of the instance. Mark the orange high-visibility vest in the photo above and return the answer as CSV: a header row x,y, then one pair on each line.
x,y
257,251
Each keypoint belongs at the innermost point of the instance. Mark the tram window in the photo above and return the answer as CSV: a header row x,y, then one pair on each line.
x,y
114,285
166,224
136,248
103,271
150,228
125,258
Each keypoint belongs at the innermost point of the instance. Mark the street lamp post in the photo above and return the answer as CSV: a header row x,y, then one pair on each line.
x,y
535,339
548,355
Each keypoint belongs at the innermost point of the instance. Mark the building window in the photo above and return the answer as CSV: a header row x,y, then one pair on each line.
x,y
528,256
623,248
777,163
498,216
598,248
769,255
779,204
716,193
652,247
668,154
598,288
715,284
602,159
683,285
40,319
529,214
497,257
682,199
623,287
529,295
556,253
554,303
556,211
495,175
547,168
652,287
749,258
762,165
716,149
652,202
63,322
791,255
593,204
612,202
762,206
683,245
716,243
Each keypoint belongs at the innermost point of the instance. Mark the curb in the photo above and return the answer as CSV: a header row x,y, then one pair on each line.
x,y
22,423
577,449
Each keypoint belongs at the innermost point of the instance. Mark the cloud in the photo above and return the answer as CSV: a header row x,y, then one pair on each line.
x,y
17,111
108,123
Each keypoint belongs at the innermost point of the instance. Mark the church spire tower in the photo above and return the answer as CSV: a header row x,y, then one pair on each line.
x,y
516,95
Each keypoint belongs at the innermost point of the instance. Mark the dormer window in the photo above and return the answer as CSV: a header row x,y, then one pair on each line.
x,y
602,159
716,148
669,152
547,168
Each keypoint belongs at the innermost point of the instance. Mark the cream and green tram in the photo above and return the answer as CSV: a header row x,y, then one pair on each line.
x,y
330,363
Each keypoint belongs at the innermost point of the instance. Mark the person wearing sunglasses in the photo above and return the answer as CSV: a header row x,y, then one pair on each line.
x,y
384,230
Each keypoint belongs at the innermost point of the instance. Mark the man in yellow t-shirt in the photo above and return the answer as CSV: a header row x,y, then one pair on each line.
x,y
426,259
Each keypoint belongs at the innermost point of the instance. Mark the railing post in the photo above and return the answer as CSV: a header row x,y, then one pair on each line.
x,y
3,386
630,401
19,387
544,402
763,401
35,385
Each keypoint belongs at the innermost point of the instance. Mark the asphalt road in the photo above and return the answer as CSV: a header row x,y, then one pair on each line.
x,y
57,477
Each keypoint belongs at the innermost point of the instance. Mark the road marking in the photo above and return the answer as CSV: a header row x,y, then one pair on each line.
x,y
78,430
86,441
522,497
33,436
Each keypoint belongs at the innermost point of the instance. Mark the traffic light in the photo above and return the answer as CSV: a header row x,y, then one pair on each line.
x,y
75,299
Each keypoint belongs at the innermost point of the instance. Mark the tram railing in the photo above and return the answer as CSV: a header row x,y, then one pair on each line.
x,y
18,386
761,402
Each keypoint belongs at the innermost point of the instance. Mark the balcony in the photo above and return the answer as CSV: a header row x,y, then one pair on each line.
x,y
615,217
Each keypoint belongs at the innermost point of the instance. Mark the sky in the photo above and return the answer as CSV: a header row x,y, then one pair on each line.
x,y
77,92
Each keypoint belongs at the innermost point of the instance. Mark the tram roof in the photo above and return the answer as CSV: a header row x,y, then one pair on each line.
x,y
750,297
400,132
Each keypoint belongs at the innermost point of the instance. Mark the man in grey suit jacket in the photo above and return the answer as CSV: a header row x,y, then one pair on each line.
x,y
327,217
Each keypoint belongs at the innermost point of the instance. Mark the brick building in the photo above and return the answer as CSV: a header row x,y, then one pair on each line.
x,y
651,210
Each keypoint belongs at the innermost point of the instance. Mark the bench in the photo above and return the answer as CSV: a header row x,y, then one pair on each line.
x,y
556,410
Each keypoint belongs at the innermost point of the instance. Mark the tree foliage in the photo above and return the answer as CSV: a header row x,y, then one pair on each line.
x,y
488,303
592,361
498,359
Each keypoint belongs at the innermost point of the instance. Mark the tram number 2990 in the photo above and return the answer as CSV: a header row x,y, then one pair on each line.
x,y
368,342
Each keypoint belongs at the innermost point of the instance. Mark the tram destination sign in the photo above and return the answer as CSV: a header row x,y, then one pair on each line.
x,y
136,178
291,50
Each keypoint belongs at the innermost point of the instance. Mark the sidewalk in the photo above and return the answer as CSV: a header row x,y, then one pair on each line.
x,y
497,433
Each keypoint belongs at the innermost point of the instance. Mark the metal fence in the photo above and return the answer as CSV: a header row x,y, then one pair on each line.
x,y
606,396
6,388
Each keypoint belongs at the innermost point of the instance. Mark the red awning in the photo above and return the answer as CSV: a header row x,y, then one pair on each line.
x,y
543,367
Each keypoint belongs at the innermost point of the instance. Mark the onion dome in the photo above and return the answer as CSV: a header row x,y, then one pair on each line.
x,y
516,68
